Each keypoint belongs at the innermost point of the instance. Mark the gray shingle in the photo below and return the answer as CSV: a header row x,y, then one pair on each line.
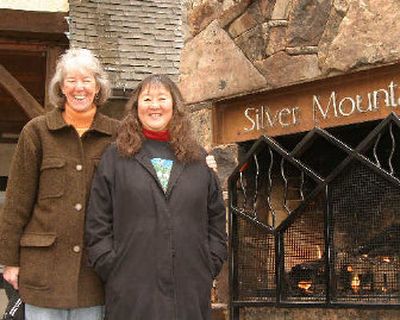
x,y
132,38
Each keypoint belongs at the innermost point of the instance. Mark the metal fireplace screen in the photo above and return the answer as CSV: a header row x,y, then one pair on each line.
x,y
317,225
365,236
304,271
256,262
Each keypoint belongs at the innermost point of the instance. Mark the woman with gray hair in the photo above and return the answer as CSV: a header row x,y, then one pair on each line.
x,y
42,225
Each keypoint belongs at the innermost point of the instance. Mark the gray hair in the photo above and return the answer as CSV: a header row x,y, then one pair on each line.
x,y
82,59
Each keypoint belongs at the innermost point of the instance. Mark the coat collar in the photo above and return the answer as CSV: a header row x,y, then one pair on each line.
x,y
177,169
55,121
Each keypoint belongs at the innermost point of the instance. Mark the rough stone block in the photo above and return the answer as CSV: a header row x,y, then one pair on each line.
x,y
226,158
276,41
281,10
212,66
243,23
364,36
219,314
201,126
233,12
266,7
282,69
307,22
202,15
252,43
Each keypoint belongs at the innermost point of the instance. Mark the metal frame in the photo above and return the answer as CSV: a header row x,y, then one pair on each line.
x,y
322,187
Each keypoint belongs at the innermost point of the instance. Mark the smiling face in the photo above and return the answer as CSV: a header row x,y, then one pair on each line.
x,y
79,88
155,107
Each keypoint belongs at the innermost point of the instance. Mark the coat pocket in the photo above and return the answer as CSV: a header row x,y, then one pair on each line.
x,y
36,259
211,263
105,264
52,178
207,259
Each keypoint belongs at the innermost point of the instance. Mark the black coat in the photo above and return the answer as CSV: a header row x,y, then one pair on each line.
x,y
157,252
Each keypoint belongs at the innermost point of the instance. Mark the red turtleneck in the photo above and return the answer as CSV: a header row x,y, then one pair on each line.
x,y
162,135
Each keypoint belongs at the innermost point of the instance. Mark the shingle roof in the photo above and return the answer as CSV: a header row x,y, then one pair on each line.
x,y
132,38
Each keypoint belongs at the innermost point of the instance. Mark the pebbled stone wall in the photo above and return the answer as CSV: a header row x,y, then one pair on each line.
x,y
246,45
235,47
317,314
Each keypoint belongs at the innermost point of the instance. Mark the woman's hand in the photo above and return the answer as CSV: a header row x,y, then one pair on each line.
x,y
211,162
10,274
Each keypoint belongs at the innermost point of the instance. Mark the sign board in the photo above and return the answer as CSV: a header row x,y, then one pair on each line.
x,y
343,100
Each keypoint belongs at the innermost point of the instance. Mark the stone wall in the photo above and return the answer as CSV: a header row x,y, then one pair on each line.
x,y
236,47
317,314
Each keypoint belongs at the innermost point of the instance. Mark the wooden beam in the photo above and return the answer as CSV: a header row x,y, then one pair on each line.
x,y
8,140
13,127
28,103
9,110
47,27
53,53
23,46
33,21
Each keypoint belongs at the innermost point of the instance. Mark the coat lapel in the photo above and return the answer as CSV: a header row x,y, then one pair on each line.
x,y
176,172
144,160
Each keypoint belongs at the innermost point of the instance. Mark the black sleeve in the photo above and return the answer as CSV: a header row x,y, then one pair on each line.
x,y
216,224
99,218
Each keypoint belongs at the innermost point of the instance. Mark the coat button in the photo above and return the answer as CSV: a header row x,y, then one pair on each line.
x,y
78,207
79,167
76,249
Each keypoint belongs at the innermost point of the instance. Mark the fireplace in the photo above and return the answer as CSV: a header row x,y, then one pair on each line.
x,y
318,224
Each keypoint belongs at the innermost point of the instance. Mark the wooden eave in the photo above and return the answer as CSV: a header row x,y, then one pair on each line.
x,y
19,24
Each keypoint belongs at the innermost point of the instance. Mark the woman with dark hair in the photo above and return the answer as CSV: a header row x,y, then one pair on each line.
x,y
155,227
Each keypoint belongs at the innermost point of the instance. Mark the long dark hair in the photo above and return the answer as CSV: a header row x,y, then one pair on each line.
x,y
130,136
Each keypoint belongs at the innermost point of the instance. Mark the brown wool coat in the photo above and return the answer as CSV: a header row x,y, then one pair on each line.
x,y
42,224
